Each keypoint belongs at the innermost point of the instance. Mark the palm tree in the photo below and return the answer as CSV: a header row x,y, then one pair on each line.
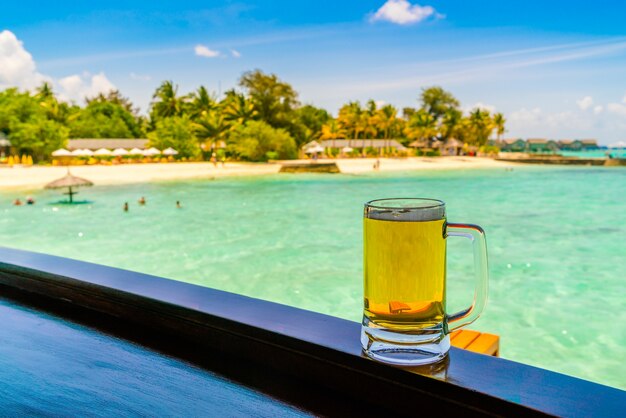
x,y
422,125
44,92
387,121
351,120
202,103
166,102
211,128
449,123
498,123
480,126
332,130
237,109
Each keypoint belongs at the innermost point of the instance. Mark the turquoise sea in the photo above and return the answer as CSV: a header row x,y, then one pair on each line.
x,y
556,237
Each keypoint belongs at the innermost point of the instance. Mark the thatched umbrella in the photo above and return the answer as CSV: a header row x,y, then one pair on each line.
x,y
70,182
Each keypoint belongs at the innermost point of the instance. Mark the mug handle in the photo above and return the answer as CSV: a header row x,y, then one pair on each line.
x,y
481,273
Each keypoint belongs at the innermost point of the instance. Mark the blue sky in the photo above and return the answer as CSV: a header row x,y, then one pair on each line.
x,y
554,68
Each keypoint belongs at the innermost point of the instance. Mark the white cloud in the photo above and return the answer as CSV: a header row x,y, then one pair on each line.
x,y
402,12
235,53
76,87
585,103
618,144
597,110
204,51
17,67
140,77
616,108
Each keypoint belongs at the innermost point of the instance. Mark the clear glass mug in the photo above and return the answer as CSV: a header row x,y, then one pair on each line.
x,y
404,317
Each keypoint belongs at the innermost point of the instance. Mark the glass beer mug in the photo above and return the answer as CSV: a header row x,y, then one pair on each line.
x,y
404,318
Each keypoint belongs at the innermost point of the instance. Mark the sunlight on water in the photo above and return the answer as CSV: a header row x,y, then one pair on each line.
x,y
555,236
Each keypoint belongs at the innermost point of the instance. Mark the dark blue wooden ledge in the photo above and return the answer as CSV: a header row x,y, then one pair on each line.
x,y
279,342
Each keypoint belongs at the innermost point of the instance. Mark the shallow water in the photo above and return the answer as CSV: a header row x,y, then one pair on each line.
x,y
556,236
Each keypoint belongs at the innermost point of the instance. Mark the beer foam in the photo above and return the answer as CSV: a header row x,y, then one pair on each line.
x,y
405,210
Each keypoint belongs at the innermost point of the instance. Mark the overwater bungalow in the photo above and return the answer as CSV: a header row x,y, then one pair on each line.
x,y
588,144
541,146
511,144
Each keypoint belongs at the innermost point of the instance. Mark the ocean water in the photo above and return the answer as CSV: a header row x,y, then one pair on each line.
x,y
556,239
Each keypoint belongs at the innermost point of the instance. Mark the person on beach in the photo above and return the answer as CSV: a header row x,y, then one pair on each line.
x,y
125,206
223,162
178,205
17,202
214,159
142,201
30,200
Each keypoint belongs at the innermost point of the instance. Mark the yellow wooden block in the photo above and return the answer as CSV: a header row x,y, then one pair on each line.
x,y
486,344
464,338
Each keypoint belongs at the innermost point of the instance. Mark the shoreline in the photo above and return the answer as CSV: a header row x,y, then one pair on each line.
x,y
36,177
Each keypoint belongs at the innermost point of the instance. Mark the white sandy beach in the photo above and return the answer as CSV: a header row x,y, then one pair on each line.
x,y
38,176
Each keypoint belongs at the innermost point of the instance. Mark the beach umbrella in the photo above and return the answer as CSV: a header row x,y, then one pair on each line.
x,y
314,149
118,152
151,151
69,182
347,149
82,153
135,151
61,153
169,151
102,152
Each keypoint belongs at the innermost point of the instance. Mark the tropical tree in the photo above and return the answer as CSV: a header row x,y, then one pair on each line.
x,y
211,128
498,124
237,109
258,141
351,120
38,137
422,125
178,132
479,127
387,120
309,121
332,130
273,99
436,101
201,103
166,102
107,116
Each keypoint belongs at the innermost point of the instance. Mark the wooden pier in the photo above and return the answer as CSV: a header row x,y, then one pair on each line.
x,y
309,168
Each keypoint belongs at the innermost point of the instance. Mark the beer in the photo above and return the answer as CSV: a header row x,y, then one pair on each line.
x,y
404,273
404,258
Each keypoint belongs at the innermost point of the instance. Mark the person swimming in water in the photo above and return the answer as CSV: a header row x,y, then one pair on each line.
x,y
178,205
142,200
17,202
125,206
30,200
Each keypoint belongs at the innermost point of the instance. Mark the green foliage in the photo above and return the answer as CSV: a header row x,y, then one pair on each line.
x,y
29,124
255,139
102,118
38,137
274,100
436,101
178,132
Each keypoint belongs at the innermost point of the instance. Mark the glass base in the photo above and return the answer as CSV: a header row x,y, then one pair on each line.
x,y
411,348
